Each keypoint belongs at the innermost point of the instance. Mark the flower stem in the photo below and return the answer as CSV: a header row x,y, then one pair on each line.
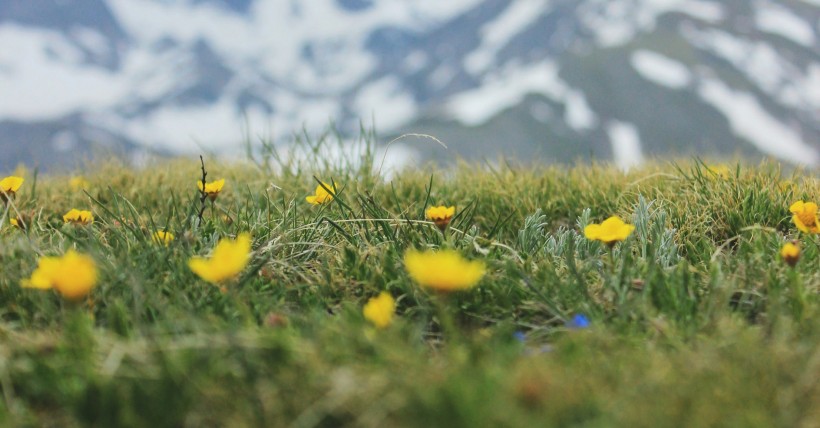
x,y
202,195
447,325
798,293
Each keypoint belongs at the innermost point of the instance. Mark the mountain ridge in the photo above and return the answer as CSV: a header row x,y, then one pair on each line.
x,y
558,80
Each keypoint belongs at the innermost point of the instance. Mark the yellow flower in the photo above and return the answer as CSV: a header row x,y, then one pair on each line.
x,y
441,216
163,237
380,310
227,260
321,195
42,276
22,221
78,217
790,253
211,189
78,183
609,232
444,270
9,187
805,216
72,275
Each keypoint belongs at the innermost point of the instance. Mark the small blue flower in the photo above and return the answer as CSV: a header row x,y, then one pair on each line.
x,y
520,336
578,321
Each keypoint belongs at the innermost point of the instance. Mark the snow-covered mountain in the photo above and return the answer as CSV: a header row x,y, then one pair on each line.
x,y
549,79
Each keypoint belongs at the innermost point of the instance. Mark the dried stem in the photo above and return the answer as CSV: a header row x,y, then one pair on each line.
x,y
202,195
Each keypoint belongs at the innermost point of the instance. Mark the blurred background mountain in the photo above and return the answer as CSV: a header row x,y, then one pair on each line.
x,y
537,80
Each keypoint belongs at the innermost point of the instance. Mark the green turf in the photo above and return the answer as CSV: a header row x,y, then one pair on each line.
x,y
694,320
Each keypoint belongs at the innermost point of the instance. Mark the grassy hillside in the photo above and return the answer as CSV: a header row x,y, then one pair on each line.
x,y
693,320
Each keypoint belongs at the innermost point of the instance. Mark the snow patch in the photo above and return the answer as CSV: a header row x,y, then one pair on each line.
x,y
626,144
508,88
616,22
91,40
44,79
791,85
780,21
518,15
660,69
188,129
578,115
708,11
749,120
395,106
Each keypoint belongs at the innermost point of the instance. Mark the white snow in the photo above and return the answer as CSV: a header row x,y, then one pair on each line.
x,y
42,77
616,22
275,34
787,83
518,15
660,69
578,115
395,106
45,76
626,144
90,39
778,20
509,87
749,120
710,11
187,129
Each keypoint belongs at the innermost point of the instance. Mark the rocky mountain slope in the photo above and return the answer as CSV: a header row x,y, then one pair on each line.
x,y
553,80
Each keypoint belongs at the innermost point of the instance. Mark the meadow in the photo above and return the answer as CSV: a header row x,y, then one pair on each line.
x,y
697,317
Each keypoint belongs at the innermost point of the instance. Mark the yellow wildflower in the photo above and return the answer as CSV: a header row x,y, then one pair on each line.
x,y
9,187
441,216
163,237
211,189
444,270
609,232
790,253
73,275
78,183
22,221
227,260
805,216
380,310
42,277
321,195
78,217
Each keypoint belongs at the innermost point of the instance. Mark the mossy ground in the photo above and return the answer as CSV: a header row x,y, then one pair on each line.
x,y
705,327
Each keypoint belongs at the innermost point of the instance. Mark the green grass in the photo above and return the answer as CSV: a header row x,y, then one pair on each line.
x,y
695,320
